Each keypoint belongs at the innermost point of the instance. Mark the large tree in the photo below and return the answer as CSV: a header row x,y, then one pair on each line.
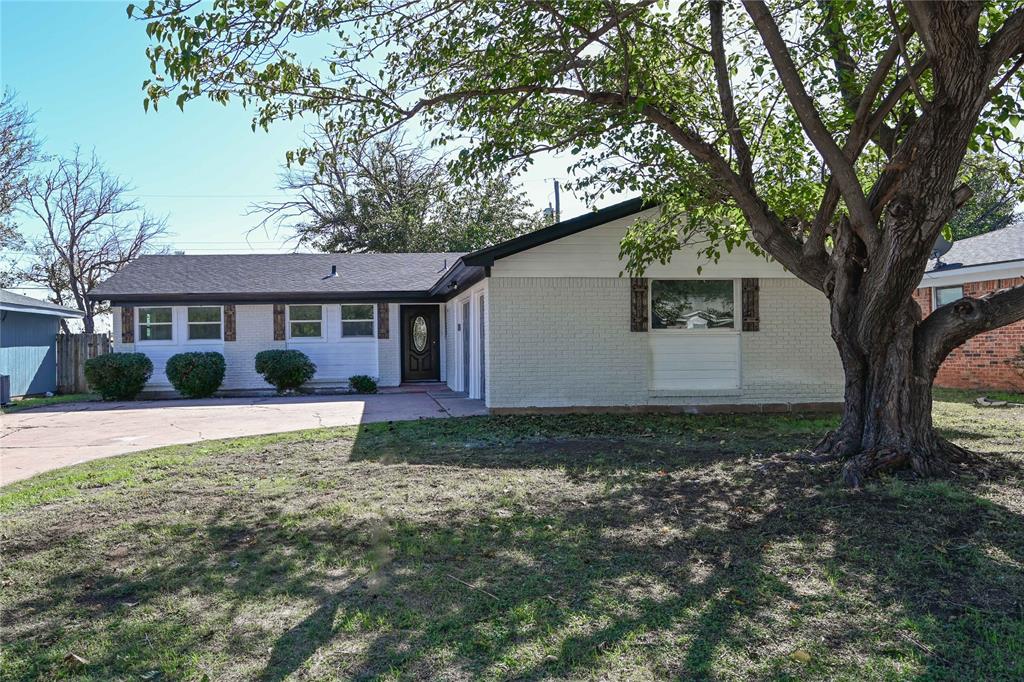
x,y
829,134
387,195
19,150
89,228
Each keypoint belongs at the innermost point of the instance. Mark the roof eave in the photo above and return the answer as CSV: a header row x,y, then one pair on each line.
x,y
486,257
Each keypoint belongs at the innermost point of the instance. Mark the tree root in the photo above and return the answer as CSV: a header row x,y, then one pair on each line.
x,y
835,445
936,461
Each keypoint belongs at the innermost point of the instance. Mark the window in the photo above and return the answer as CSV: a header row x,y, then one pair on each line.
x,y
692,304
204,323
357,320
155,324
944,295
305,321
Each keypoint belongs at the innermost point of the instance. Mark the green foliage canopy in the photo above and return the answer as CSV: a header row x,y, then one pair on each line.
x,y
737,116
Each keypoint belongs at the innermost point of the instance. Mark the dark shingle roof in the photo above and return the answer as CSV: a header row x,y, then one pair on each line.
x,y
251,276
1000,246
11,301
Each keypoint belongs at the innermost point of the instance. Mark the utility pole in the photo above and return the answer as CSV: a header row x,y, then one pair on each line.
x,y
558,205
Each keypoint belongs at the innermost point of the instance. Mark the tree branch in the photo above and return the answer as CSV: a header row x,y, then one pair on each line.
x,y
840,166
1007,42
725,96
954,323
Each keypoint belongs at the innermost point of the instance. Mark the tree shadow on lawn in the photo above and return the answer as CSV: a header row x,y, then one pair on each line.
x,y
657,560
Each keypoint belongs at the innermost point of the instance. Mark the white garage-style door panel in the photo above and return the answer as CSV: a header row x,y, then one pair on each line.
x,y
695,361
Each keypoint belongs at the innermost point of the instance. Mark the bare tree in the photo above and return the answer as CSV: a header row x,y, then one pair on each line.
x,y
91,230
389,195
19,149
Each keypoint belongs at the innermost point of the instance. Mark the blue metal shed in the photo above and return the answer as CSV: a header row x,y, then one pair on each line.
x,y
28,342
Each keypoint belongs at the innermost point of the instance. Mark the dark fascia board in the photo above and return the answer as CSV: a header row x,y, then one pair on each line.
x,y
264,298
950,267
486,257
458,278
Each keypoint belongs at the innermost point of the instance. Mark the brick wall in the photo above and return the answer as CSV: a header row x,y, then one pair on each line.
x,y
981,363
558,342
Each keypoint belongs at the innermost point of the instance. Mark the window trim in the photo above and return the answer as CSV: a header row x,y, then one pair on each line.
x,y
304,339
737,301
357,337
935,293
139,324
188,325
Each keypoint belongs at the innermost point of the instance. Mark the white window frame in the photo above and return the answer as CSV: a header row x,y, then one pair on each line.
x,y
155,342
372,320
737,304
305,339
935,293
188,325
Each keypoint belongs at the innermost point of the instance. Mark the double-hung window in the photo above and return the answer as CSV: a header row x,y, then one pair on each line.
x,y
305,321
356,319
204,323
156,324
694,304
944,295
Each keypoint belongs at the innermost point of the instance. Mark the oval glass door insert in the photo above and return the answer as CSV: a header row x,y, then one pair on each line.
x,y
419,334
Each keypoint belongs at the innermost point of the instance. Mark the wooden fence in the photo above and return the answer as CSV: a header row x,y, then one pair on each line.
x,y
72,352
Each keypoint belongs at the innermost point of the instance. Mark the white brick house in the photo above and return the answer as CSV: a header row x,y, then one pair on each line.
x,y
540,322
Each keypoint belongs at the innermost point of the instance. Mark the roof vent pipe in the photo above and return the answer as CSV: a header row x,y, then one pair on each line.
x,y
334,272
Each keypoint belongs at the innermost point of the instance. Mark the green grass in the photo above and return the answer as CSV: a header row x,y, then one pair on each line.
x,y
969,396
591,547
29,403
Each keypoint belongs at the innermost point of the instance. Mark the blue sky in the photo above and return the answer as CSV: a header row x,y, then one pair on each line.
x,y
78,66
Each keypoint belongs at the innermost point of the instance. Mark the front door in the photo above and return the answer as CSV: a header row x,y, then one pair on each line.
x,y
421,352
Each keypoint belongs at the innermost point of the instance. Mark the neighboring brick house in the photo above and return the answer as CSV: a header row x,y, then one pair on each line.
x,y
540,322
975,267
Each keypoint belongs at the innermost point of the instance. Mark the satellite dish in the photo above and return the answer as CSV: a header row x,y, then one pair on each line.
x,y
941,247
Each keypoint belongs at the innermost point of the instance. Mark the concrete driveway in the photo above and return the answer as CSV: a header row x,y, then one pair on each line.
x,y
46,438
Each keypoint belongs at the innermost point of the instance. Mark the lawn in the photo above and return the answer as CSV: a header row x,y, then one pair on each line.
x,y
29,403
623,548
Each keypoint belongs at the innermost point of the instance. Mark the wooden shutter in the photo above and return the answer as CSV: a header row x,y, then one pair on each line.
x,y
751,304
127,324
638,304
279,322
229,322
383,330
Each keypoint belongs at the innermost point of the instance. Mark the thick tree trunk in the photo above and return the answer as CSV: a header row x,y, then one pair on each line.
x,y
887,416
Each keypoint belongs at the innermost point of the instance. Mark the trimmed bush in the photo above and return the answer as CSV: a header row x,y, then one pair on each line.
x,y
196,375
361,383
118,376
285,369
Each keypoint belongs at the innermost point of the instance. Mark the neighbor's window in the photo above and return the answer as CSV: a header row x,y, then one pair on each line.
x,y
692,304
305,321
357,319
944,295
204,323
155,324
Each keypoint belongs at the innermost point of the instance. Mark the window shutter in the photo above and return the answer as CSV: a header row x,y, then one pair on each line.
x,y
383,331
638,304
127,324
279,322
229,322
751,304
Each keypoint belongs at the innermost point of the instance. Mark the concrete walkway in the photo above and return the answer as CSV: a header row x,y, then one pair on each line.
x,y
47,438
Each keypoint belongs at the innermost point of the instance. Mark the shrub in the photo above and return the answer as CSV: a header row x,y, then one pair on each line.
x,y
285,369
196,375
118,376
361,383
